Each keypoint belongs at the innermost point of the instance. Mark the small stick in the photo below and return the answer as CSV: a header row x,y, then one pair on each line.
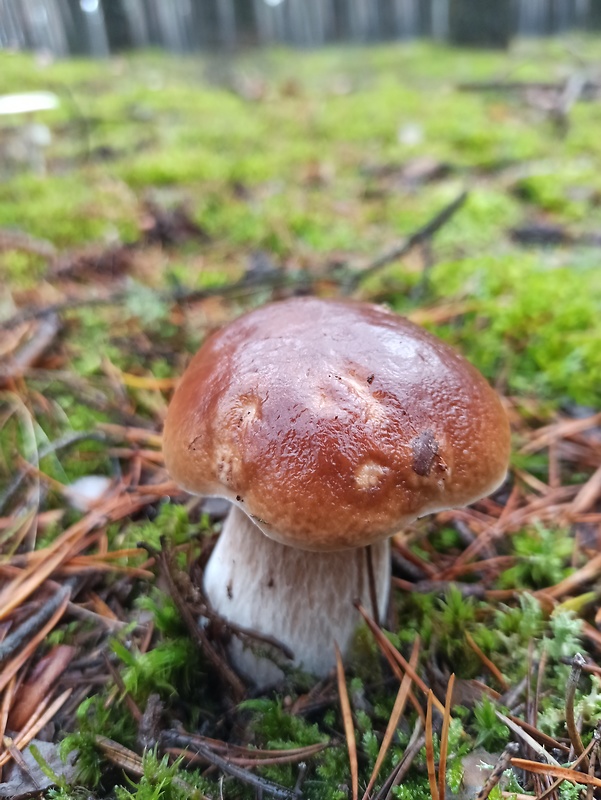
x,y
300,779
593,761
529,740
444,739
24,632
590,88
181,295
347,719
577,663
169,738
430,749
594,741
503,763
565,773
417,237
416,743
197,632
373,595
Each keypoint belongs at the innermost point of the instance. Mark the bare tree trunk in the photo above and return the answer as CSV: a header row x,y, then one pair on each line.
x,y
117,23
472,22
226,17
581,12
594,15
264,21
137,22
362,19
407,18
440,19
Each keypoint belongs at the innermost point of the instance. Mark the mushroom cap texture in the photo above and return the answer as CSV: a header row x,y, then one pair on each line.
x,y
334,423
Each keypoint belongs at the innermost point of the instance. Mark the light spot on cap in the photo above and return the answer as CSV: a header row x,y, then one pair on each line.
x,y
249,410
369,474
360,388
224,464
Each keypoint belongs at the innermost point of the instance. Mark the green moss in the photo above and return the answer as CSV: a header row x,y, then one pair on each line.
x,y
171,523
492,734
94,717
21,268
68,209
542,558
533,324
163,780
169,665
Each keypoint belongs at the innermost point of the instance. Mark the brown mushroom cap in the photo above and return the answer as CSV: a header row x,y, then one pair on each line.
x,y
333,423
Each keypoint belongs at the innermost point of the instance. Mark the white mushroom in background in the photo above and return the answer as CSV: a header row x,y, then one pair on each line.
x,y
33,137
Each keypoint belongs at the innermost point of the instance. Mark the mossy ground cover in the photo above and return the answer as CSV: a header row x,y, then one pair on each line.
x,y
180,192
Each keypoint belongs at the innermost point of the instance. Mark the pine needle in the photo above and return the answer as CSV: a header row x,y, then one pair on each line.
x,y
393,722
12,667
430,749
147,382
349,730
555,772
490,666
402,662
36,723
444,739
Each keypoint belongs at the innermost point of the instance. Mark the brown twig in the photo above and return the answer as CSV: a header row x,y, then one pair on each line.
x,y
44,713
416,238
222,669
18,240
590,90
573,733
397,775
24,633
172,739
502,764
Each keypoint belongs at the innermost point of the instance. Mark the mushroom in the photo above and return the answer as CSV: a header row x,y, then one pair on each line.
x,y
329,425
35,136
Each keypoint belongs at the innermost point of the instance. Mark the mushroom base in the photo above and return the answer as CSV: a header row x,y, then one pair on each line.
x,y
303,599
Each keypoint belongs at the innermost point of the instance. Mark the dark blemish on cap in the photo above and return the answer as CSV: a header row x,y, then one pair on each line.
x,y
425,450
370,378
230,590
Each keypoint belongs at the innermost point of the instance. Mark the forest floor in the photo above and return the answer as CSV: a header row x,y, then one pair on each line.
x,y
463,189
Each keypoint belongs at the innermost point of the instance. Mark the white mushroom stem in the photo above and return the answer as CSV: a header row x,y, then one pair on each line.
x,y
302,598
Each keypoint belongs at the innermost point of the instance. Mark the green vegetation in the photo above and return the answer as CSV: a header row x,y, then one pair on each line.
x,y
315,163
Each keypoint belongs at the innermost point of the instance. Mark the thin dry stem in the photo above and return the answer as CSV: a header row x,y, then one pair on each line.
x,y
444,739
395,716
430,749
347,720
